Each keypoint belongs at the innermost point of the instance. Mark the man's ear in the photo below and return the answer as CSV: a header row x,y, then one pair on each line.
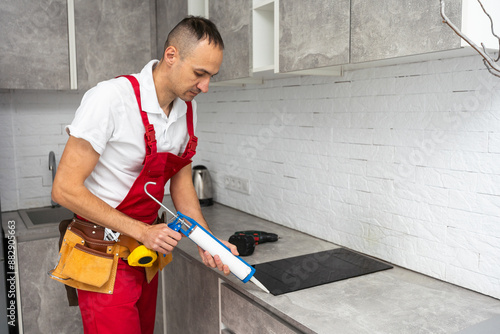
x,y
171,54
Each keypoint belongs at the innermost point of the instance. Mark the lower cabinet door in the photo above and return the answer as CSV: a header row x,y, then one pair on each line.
x,y
191,297
240,315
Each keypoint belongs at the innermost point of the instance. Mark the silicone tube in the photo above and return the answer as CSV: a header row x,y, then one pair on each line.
x,y
205,240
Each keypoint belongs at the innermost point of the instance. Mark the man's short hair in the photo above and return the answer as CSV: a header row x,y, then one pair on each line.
x,y
190,31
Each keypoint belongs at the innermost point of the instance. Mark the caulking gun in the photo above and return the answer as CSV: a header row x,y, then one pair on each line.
x,y
200,236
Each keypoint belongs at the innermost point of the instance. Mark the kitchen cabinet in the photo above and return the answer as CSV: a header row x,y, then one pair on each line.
x,y
192,296
34,45
113,37
241,315
74,44
274,36
43,300
168,14
234,21
396,28
264,36
313,35
300,37
110,37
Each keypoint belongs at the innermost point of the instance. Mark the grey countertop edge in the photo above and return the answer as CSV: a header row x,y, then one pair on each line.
x,y
23,233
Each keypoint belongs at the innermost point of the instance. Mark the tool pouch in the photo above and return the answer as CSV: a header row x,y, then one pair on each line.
x,y
87,262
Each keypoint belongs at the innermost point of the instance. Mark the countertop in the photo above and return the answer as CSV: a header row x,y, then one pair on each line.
x,y
23,233
391,301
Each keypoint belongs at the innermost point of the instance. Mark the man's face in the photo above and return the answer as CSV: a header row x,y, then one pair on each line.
x,y
192,74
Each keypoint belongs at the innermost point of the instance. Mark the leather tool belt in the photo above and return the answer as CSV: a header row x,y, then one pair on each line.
x,y
87,262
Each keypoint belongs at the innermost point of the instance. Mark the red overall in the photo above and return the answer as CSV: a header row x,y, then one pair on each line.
x,y
132,306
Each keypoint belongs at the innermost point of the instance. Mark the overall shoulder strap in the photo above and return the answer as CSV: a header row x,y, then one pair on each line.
x,y
149,136
189,118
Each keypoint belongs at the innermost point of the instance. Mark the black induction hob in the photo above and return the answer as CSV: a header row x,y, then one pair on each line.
x,y
305,271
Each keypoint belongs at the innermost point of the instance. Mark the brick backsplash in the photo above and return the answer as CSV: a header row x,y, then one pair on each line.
x,y
33,125
399,162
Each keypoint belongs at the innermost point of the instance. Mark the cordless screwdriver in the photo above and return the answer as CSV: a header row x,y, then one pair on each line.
x,y
246,241
260,237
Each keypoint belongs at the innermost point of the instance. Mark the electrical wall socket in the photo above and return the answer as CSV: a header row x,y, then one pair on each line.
x,y
237,184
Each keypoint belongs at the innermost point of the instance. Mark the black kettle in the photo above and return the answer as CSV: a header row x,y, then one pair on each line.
x,y
203,185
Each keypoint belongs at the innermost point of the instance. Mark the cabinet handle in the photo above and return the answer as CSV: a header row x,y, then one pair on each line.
x,y
72,45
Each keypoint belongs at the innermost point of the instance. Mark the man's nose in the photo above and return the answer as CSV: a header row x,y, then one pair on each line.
x,y
203,85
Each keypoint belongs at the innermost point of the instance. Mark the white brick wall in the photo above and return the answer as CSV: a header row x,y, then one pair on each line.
x,y
32,125
399,162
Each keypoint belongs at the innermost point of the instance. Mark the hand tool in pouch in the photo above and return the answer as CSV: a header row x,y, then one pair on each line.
x,y
204,239
139,256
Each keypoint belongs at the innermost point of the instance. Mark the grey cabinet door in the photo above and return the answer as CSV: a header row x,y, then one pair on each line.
x,y
234,21
191,296
393,28
168,14
43,300
313,34
34,44
113,37
241,315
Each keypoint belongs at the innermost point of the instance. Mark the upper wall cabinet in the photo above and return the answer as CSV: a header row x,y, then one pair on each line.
x,y
34,44
168,14
234,21
73,44
395,28
313,34
113,37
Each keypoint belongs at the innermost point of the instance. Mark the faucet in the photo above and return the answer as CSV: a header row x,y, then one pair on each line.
x,y
53,168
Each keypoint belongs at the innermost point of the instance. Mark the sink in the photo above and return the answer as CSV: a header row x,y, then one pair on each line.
x,y
45,216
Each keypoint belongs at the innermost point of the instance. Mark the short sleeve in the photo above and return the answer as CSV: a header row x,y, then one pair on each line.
x,y
93,120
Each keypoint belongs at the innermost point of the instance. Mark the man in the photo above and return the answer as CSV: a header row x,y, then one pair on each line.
x,y
108,159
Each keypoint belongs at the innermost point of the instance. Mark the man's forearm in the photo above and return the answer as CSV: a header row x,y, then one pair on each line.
x,y
184,196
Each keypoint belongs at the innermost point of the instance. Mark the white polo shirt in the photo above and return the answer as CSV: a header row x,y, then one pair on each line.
x,y
109,119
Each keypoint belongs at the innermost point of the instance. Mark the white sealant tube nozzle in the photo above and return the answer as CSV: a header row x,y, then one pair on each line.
x,y
259,284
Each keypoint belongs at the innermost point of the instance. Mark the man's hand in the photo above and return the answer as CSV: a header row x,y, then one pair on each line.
x,y
186,201
215,262
160,238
